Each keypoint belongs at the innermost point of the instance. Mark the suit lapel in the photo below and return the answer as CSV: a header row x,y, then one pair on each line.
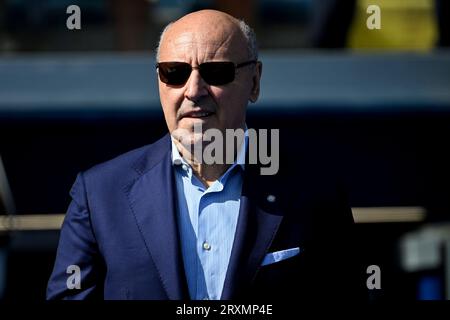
x,y
257,225
151,198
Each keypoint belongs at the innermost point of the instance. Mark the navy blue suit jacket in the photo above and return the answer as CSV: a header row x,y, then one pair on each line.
x,y
121,230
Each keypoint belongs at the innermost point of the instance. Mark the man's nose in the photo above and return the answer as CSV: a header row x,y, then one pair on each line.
x,y
196,86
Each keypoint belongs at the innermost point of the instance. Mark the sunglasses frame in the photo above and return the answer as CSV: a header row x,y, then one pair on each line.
x,y
199,67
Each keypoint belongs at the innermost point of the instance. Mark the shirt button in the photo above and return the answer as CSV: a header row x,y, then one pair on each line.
x,y
177,161
185,167
206,246
271,198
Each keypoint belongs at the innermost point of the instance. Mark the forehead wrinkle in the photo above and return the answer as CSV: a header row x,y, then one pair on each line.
x,y
192,51
201,46
234,41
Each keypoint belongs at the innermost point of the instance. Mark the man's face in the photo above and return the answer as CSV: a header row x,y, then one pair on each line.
x,y
192,40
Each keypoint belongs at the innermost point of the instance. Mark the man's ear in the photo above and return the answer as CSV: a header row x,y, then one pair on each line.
x,y
254,94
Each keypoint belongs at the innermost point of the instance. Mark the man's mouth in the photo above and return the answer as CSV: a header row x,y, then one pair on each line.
x,y
198,114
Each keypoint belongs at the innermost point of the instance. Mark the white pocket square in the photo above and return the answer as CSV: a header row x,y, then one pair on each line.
x,y
278,256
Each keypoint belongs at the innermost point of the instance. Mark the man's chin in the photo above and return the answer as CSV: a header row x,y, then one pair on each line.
x,y
188,137
193,123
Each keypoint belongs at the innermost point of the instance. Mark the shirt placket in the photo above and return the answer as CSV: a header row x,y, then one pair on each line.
x,y
208,244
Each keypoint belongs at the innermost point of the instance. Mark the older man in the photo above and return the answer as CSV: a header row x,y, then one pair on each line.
x,y
156,223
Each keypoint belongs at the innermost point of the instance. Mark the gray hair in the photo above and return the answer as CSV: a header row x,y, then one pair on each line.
x,y
248,33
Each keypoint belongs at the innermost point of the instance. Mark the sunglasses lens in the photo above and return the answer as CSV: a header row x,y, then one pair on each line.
x,y
217,73
174,73
214,73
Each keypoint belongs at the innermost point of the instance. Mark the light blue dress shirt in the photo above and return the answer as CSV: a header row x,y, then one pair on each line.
x,y
207,219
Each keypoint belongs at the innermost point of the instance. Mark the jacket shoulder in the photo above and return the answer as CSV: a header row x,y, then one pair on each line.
x,y
130,163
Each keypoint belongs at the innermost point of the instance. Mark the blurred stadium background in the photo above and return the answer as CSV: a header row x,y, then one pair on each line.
x,y
373,103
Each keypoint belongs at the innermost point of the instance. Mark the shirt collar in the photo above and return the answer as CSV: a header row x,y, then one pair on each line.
x,y
177,159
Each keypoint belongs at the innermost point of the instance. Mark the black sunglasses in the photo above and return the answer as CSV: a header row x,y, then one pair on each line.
x,y
214,73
